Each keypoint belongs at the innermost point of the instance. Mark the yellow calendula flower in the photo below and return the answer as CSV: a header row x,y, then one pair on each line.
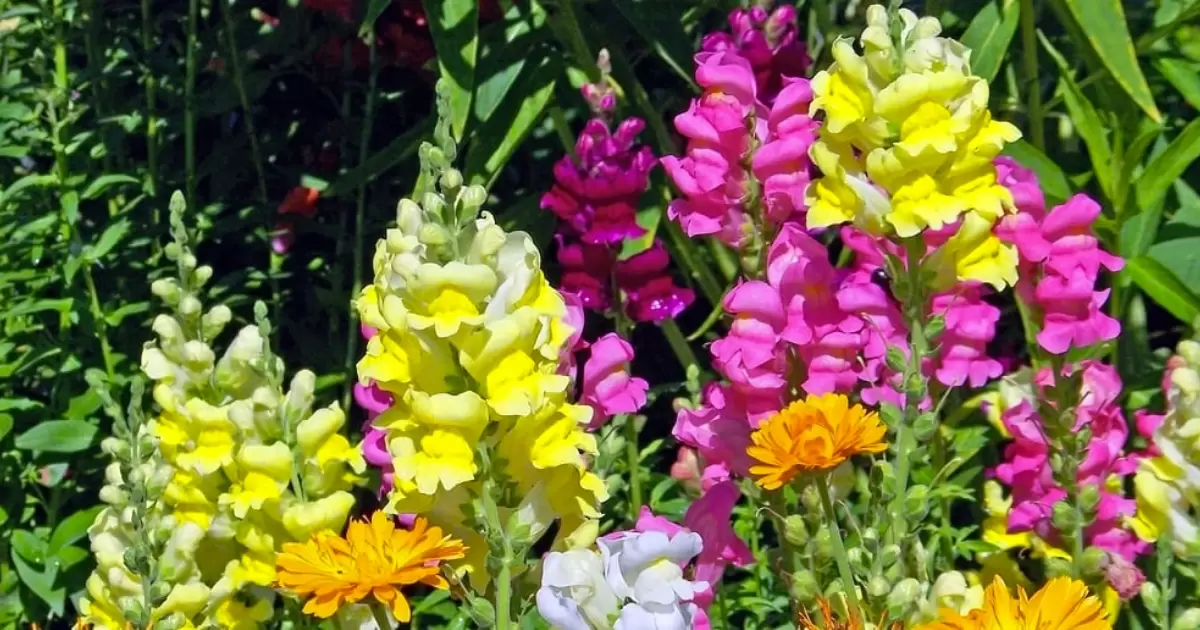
x,y
813,435
1060,603
375,559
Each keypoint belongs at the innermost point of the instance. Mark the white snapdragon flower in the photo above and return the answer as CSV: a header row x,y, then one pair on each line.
x,y
647,569
575,594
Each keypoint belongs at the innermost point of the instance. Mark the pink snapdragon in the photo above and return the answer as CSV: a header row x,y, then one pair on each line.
x,y
962,347
374,445
1060,260
723,126
607,385
1026,466
768,40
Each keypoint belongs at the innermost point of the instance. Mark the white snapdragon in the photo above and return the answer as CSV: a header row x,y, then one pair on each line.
x,y
636,582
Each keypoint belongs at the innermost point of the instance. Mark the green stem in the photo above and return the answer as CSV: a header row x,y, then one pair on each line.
x,y
339,278
498,538
559,118
839,548
1029,46
240,83
685,251
360,213
726,262
577,42
381,617
679,344
189,97
633,458
791,555
918,347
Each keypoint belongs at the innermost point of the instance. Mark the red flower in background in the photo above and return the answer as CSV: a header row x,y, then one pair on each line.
x,y
301,201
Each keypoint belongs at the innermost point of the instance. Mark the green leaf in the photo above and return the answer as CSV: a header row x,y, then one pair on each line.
x,y
375,9
660,27
989,35
516,117
454,25
1103,24
395,152
58,436
71,529
20,404
1184,76
503,51
1087,120
1051,178
104,182
41,583
1165,288
27,545
29,181
109,239
1168,166
6,425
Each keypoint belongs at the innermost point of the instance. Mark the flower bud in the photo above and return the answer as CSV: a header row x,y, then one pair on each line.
x,y
451,179
810,498
1151,595
113,495
878,586
1058,567
408,219
115,447
1189,349
188,261
857,557
172,250
1094,562
215,320
473,197
482,612
934,327
870,537
202,275
1064,518
916,504
197,355
173,621
167,289
300,394
889,555
131,608
804,586
434,205
925,426
795,531
189,306
433,235
1189,620
158,592
896,359
824,544
904,594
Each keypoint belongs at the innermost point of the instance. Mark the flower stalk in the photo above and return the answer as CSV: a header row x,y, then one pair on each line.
x,y
839,547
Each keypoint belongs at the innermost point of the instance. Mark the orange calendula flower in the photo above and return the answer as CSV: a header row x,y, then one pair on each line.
x,y
1061,604
813,435
374,559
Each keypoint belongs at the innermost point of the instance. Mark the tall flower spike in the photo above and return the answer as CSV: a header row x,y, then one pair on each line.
x,y
468,346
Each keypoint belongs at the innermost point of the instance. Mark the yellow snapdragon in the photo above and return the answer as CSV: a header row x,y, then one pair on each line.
x,y
468,343
1168,485
907,144
243,467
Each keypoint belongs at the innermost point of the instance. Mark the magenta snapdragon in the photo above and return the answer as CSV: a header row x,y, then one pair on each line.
x,y
769,40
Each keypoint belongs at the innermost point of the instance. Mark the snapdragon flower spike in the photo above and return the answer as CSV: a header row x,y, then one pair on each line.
x,y
1026,466
768,39
607,385
469,346
1167,483
729,129
1061,259
907,144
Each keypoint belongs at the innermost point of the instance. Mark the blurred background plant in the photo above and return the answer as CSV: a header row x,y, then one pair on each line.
x,y
292,128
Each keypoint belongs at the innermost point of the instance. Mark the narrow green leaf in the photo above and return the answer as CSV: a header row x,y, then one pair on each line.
x,y
1184,76
504,48
109,239
659,26
1052,179
104,182
375,9
395,152
1087,120
28,181
1103,24
454,25
516,117
989,35
1163,287
1168,166
41,583
20,404
58,436
6,425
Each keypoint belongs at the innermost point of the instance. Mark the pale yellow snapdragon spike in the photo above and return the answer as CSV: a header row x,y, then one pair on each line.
x,y
468,340
1168,485
246,466
907,143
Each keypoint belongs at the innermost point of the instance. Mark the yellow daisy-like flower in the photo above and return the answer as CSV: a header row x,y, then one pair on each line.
x,y
1061,604
813,435
374,559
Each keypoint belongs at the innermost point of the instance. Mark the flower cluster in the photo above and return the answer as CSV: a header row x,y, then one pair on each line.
x,y
769,40
746,164
468,343
595,197
247,467
636,580
1027,471
1168,481
1060,262
907,145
